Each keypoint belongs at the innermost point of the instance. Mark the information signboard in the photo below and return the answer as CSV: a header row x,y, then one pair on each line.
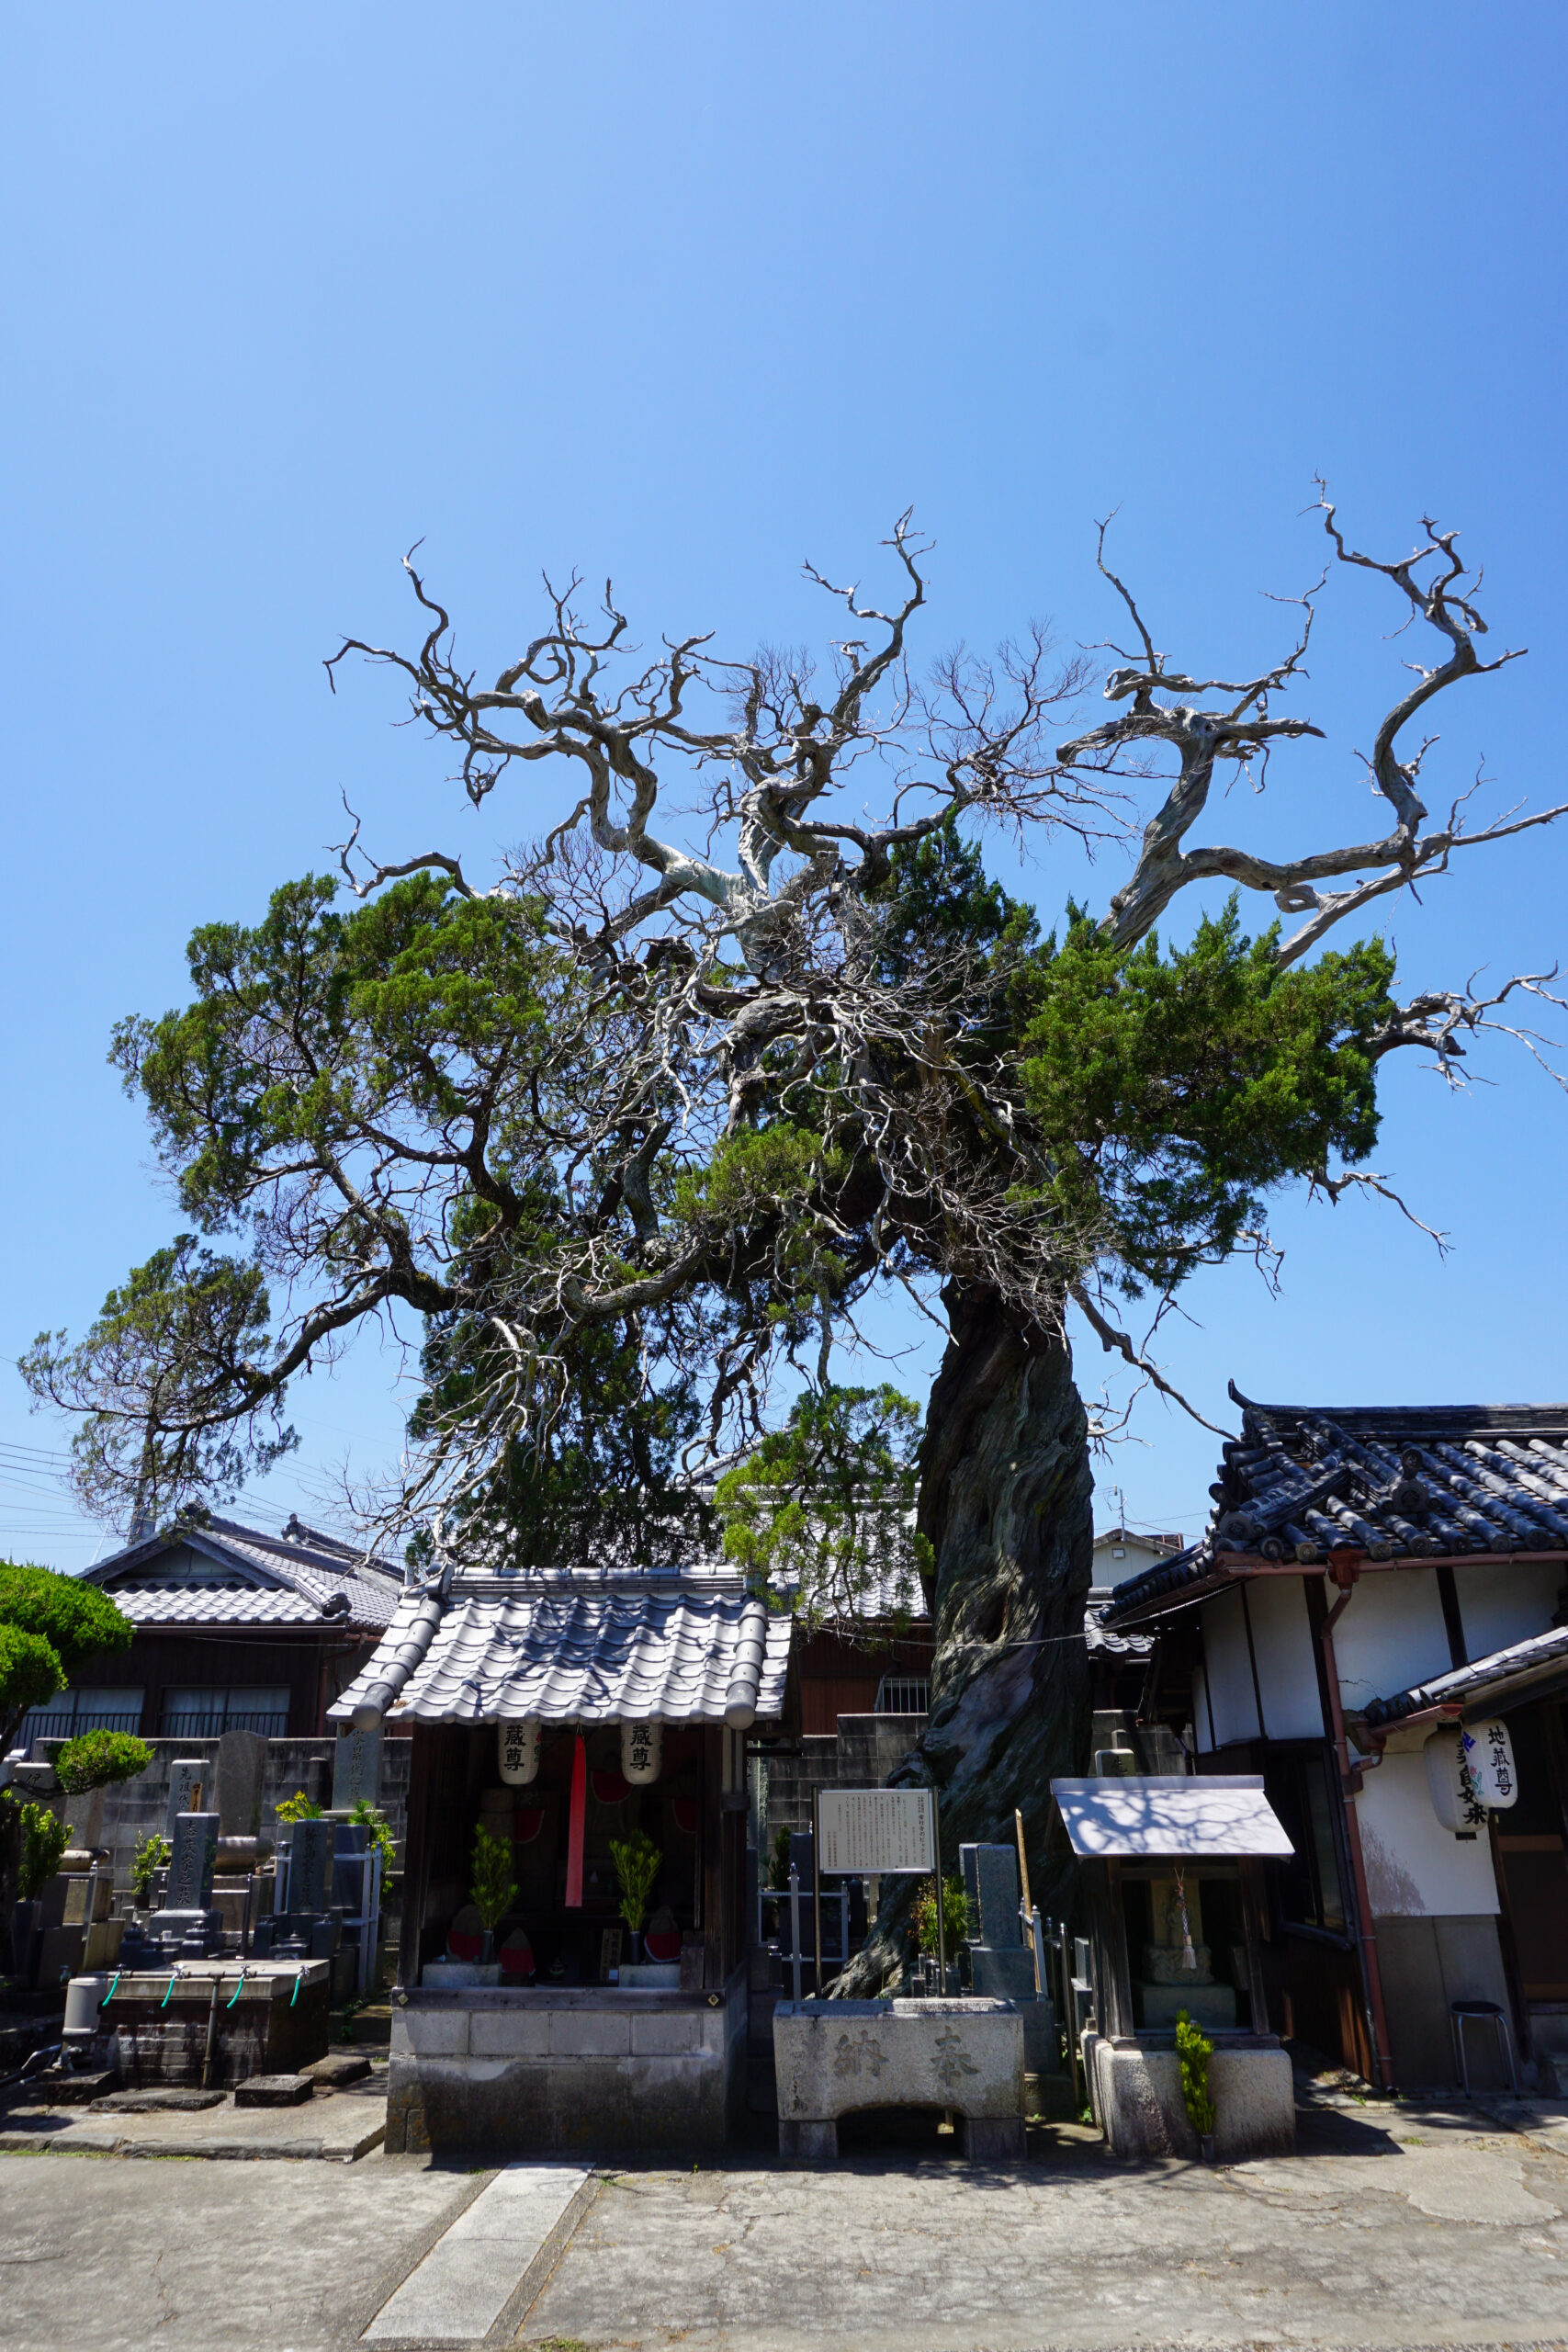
x,y
871,1833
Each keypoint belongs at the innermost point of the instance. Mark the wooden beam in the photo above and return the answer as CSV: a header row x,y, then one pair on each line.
x,y
416,1852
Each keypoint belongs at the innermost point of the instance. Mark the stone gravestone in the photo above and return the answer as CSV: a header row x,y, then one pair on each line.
x,y
190,1864
241,1771
187,1776
356,1770
1002,1964
310,1852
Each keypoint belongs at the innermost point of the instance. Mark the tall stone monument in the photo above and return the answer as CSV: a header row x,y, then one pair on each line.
x,y
188,1777
241,1777
356,1770
190,1864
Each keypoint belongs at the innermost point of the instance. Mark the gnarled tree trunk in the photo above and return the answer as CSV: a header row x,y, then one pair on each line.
x,y
1006,1503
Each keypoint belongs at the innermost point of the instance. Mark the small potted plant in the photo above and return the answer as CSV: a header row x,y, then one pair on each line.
x,y
637,1863
150,1858
493,1887
1193,2050
954,1921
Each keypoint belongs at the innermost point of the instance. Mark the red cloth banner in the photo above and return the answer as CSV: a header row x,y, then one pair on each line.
x,y
576,1826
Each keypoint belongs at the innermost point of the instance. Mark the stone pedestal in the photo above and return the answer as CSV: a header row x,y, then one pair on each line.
x,y
1136,2090
833,2058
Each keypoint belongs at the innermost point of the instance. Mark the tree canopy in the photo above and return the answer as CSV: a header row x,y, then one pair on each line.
x,y
638,1129
49,1626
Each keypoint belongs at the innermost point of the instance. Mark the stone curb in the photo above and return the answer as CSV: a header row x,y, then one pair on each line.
x,y
341,2152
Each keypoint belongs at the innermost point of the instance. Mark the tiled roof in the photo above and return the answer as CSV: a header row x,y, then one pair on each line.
x,y
296,1579
579,1645
207,1605
1478,1683
1399,1482
1097,1636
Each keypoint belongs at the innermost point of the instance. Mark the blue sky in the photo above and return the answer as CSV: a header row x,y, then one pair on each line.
x,y
688,295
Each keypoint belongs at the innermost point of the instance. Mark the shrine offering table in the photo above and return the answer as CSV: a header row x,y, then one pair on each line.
x,y
834,2058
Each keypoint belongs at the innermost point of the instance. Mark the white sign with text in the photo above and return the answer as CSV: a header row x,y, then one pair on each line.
x,y
873,1832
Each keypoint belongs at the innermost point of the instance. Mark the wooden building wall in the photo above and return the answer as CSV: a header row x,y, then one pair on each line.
x,y
313,1666
840,1675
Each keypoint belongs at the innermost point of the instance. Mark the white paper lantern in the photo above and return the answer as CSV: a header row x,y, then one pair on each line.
x,y
1470,1772
1489,1765
642,1753
517,1753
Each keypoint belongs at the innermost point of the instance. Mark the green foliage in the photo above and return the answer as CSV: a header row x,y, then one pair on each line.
x,y
938,907
954,1915
29,1672
378,1833
602,1481
100,1759
1171,1090
43,1841
150,1858
819,1513
637,1861
49,1626
299,1807
757,1168
1194,2050
169,1344
493,1885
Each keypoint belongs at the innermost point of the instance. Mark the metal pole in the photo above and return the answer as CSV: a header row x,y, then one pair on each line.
x,y
817,1885
941,1923
1026,1908
794,1925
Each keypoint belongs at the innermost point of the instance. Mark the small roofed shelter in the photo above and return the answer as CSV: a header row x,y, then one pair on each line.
x,y
1171,1868
570,1712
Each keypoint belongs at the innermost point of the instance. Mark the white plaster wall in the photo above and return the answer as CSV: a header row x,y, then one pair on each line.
x,y
1415,1866
1499,1604
1287,1671
1225,1655
1200,1713
1390,1636
1109,1571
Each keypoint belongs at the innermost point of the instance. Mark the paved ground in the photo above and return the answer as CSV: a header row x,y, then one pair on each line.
x,y
1390,2228
335,2125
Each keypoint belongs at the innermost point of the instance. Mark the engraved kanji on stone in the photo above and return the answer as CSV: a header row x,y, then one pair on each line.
x,y
852,2056
951,2060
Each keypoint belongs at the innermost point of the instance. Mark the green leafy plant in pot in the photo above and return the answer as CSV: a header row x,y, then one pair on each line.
x,y
1193,2050
150,1858
493,1885
637,1863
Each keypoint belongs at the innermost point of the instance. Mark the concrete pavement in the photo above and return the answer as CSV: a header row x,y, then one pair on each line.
x,y
1392,2227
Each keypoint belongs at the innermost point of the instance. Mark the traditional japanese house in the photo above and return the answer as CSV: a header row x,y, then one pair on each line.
x,y
1371,1622
236,1630
566,1711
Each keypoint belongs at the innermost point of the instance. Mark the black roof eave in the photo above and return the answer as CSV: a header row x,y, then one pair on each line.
x,y
1212,1576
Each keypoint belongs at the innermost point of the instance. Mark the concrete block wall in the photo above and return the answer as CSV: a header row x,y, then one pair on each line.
x,y
135,1808
530,2074
863,1754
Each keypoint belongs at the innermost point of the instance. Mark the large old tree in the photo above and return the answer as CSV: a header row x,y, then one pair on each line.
x,y
748,1034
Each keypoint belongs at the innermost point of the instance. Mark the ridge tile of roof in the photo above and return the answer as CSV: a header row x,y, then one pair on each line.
x,y
283,1581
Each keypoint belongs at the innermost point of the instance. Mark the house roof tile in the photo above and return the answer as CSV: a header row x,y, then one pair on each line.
x,y
1398,1482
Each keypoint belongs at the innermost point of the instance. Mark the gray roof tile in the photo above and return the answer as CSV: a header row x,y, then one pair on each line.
x,y
579,1645
1403,1482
